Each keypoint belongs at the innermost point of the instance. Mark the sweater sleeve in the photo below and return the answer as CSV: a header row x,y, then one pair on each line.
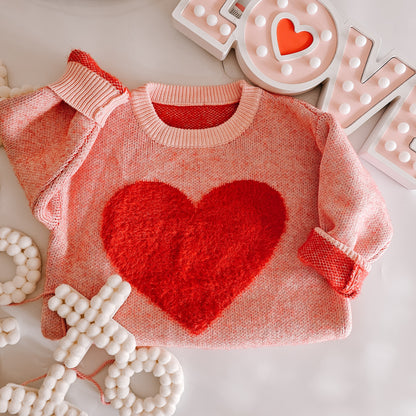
x,y
354,226
47,134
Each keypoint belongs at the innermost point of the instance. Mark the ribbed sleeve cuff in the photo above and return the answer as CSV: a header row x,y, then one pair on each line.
x,y
87,91
343,268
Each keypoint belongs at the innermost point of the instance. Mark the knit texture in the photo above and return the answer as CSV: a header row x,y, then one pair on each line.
x,y
86,60
344,273
240,217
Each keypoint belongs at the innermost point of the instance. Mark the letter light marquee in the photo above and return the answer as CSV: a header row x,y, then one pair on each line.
x,y
292,46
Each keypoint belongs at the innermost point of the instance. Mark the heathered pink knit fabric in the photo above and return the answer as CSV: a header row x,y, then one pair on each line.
x,y
84,141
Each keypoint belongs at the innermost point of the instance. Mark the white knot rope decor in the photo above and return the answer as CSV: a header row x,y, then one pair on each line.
x,y
47,401
91,322
154,360
26,257
9,332
6,91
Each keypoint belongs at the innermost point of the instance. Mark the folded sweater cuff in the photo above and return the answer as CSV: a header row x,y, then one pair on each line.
x,y
343,268
86,88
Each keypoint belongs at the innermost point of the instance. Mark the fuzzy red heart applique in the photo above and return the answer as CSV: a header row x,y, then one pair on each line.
x,y
192,259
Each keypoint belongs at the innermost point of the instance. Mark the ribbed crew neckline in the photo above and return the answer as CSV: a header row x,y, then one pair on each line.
x,y
247,96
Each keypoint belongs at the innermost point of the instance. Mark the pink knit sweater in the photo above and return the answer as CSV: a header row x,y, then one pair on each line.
x,y
239,217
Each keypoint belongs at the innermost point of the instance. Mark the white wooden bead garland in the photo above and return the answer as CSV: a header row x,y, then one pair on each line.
x,y
91,322
47,401
28,263
151,360
9,332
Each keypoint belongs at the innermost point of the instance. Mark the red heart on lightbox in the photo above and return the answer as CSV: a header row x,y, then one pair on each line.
x,y
290,39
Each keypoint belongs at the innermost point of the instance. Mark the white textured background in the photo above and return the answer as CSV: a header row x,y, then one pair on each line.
x,y
373,372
